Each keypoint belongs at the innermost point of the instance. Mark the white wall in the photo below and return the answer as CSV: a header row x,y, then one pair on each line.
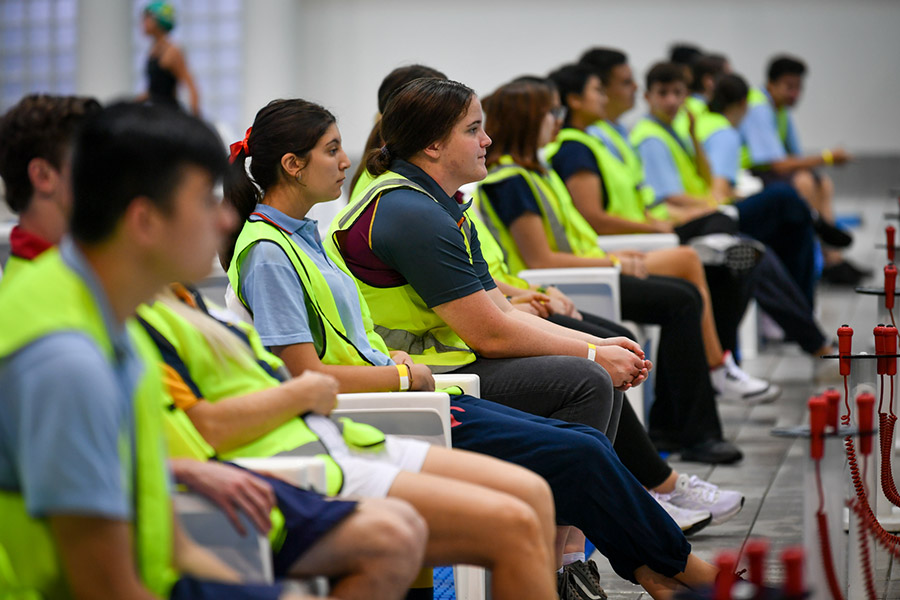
x,y
341,49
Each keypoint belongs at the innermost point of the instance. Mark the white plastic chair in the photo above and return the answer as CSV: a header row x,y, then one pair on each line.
x,y
592,289
596,290
250,556
643,242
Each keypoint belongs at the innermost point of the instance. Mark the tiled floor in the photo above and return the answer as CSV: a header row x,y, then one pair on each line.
x,y
771,474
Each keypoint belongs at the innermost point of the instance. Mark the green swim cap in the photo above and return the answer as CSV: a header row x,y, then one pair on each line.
x,y
163,13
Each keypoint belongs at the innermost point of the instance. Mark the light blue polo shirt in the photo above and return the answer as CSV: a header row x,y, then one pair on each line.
x,y
63,406
272,289
759,132
723,150
660,172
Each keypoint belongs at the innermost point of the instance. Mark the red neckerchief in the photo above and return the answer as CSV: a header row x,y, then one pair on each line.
x,y
27,245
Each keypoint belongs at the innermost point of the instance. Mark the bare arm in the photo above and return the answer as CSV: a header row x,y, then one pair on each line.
x,y
587,194
97,558
233,422
791,164
494,333
194,560
174,61
300,358
722,189
703,167
230,488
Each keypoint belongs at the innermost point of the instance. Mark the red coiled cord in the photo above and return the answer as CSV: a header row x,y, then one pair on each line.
x,y
860,505
825,542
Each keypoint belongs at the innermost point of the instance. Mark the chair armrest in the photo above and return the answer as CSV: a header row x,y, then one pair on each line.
x,y
643,242
306,472
469,383
592,289
250,556
420,415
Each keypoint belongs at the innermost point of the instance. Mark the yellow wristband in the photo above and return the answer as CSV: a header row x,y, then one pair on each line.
x,y
592,352
615,260
827,157
403,370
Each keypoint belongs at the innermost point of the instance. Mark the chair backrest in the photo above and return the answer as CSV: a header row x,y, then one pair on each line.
x,y
250,556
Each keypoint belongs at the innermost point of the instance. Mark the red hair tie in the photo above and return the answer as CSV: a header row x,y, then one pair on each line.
x,y
238,146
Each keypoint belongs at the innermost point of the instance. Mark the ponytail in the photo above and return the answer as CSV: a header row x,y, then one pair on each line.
x,y
281,127
242,195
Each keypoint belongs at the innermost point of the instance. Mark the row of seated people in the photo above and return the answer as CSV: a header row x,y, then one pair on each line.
x,y
278,251
98,271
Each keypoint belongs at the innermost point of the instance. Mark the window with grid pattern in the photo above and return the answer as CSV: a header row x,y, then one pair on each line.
x,y
210,34
37,48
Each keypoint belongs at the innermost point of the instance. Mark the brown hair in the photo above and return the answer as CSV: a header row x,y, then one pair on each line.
x,y
513,115
39,126
394,80
281,127
418,114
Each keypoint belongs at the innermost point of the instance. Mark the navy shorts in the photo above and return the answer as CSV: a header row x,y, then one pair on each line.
x,y
188,588
307,517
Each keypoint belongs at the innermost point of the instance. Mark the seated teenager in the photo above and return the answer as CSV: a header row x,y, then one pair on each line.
x,y
35,163
312,313
234,397
772,151
607,199
790,307
522,200
85,495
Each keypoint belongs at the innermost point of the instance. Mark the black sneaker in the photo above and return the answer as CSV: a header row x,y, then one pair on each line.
x,y
844,273
831,234
584,580
712,452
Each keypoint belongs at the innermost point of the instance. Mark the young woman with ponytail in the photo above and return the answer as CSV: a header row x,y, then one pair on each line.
x,y
331,331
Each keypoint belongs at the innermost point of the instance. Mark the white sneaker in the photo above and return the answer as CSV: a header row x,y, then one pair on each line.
x,y
695,494
732,383
691,521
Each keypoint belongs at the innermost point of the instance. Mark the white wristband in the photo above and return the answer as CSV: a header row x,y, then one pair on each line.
x,y
403,370
592,352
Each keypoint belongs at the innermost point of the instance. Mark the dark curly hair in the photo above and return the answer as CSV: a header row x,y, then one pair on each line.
x,y
39,126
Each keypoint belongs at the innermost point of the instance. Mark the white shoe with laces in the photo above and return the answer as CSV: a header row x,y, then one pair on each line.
x,y
693,493
730,382
690,520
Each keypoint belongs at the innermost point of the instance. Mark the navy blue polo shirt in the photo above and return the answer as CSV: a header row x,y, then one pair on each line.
x,y
418,241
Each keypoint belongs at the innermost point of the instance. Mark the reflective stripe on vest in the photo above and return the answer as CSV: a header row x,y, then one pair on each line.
x,y
330,338
623,199
44,299
694,185
399,314
632,161
493,253
571,233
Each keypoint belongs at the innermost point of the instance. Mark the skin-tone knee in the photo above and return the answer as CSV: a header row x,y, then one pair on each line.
x,y
804,183
391,538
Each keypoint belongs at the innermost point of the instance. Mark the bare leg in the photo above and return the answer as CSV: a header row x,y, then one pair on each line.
x,y
696,573
683,262
668,485
501,476
472,524
562,540
374,553
574,541
805,184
